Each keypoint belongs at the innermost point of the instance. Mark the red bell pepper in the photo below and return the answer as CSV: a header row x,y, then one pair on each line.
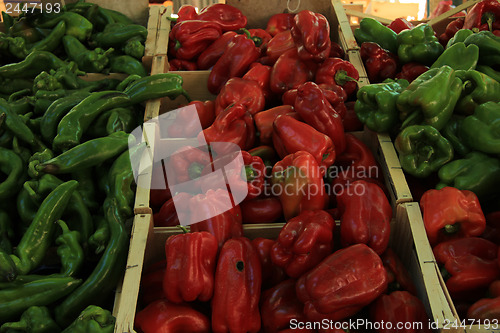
x,y
261,210
451,213
291,135
162,316
181,65
336,51
451,30
279,44
311,34
340,72
223,226
234,125
190,271
484,15
190,38
226,16
366,216
268,155
262,75
167,215
358,159
187,126
261,37
152,282
411,71
312,106
400,24
283,79
342,284
271,274
304,242
279,306
350,120
494,288
400,308
380,64
234,62
240,91
214,51
160,192
492,230
238,279
186,12
298,181
456,248
333,93
279,23
485,310
187,164
398,276
264,121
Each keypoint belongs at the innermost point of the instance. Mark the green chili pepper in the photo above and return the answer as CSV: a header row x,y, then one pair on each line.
x,y
8,270
73,125
371,30
22,106
32,65
52,41
69,250
422,150
478,88
106,274
9,86
17,47
14,301
459,57
6,232
36,319
26,208
156,86
7,20
86,188
16,125
114,120
87,60
76,25
418,44
117,34
93,319
100,238
113,16
126,64
12,166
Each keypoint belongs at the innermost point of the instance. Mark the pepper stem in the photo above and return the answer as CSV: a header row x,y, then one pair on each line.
x,y
194,170
177,45
451,229
248,173
245,32
240,266
183,228
444,273
342,78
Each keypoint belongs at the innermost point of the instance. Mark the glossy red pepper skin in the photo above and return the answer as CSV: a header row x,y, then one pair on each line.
x,y
291,136
190,271
187,164
451,30
459,247
261,37
186,126
400,307
312,106
398,276
400,24
163,316
167,215
333,93
380,64
264,121
226,16
484,15
451,213
350,120
342,284
271,274
152,282
311,34
182,65
340,72
283,79
190,38
411,71
234,125
304,242
300,183
336,51
359,157
279,306
238,280
268,155
365,216
240,53
279,44
186,12
240,91
261,210
279,23
485,309
214,51
262,75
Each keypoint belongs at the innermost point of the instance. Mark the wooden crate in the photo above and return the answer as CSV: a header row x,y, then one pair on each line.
x,y
408,239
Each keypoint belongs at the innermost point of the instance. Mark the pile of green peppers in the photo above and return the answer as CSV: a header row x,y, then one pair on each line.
x,y
67,191
445,122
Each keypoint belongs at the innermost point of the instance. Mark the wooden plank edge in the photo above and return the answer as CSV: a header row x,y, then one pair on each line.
x,y
145,172
150,44
452,12
345,27
163,31
357,13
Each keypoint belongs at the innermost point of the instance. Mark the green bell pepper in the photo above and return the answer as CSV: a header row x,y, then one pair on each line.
x,y
418,44
134,47
478,88
430,98
460,36
458,56
69,250
489,47
422,150
93,319
371,30
452,132
494,74
476,172
480,130
36,319
376,104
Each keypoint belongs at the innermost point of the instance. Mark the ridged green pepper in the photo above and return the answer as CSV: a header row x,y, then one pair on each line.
x,y
459,57
489,47
422,150
135,48
478,88
480,130
476,172
460,36
36,319
93,319
376,105
371,30
452,132
494,74
76,25
430,98
87,60
156,86
418,44
126,64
